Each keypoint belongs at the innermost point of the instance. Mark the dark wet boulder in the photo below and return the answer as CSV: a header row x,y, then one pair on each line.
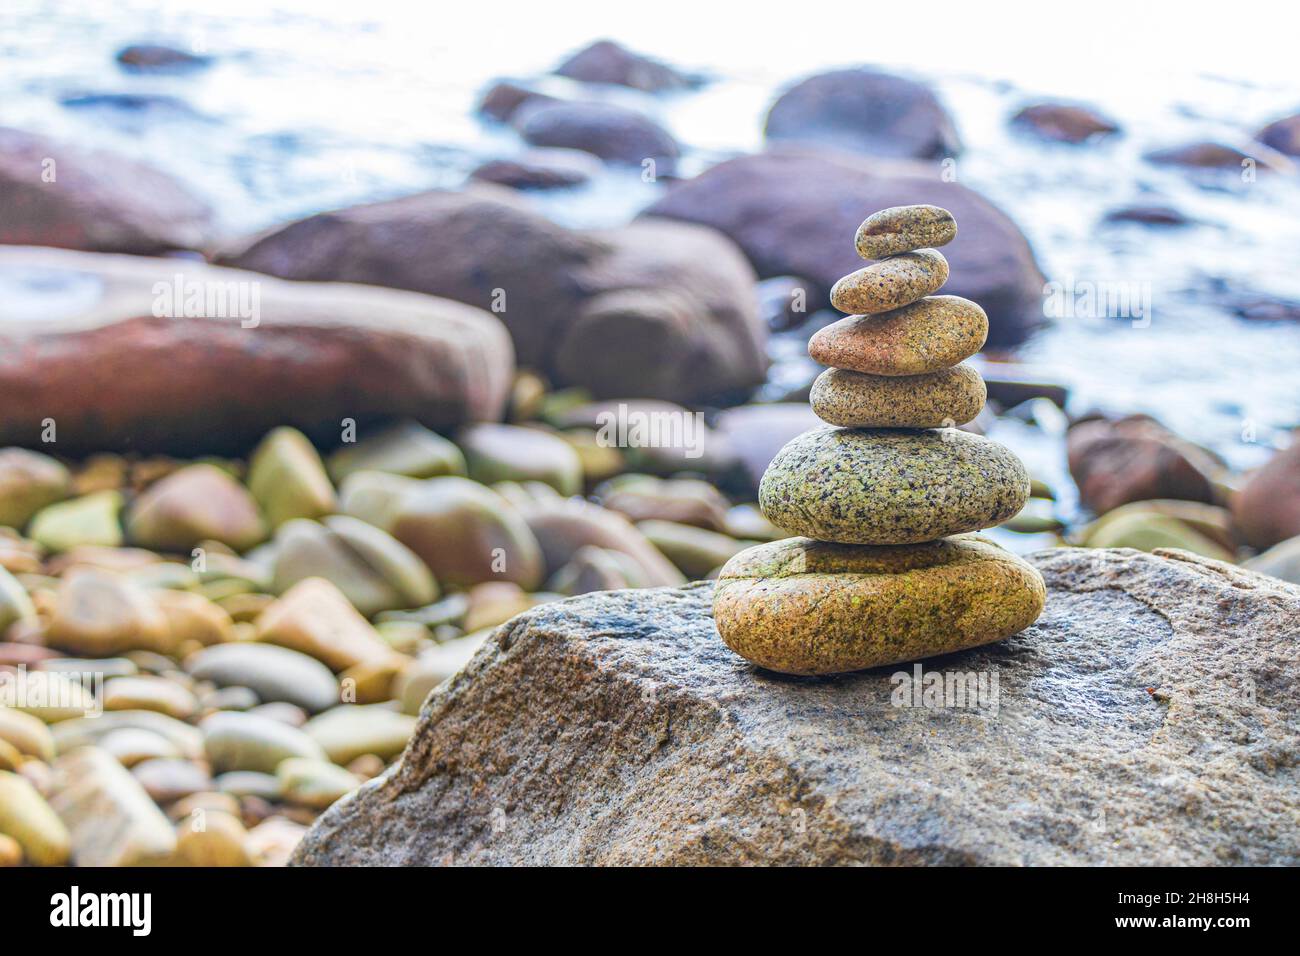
x,y
505,97
753,434
614,133
1063,122
791,210
1146,719
1148,215
1266,509
641,311
608,62
159,58
1136,458
170,355
540,169
864,111
1282,135
56,194
1220,156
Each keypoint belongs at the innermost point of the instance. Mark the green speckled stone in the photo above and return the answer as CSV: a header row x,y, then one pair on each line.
x,y
904,228
801,606
891,283
942,399
888,486
937,332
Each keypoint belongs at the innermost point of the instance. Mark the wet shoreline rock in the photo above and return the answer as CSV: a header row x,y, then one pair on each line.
x,y
1064,122
608,62
564,295
58,194
864,111
1135,458
114,375
789,210
614,133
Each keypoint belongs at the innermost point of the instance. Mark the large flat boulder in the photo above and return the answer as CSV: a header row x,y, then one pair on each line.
x,y
1145,719
104,348
650,310
792,211
54,193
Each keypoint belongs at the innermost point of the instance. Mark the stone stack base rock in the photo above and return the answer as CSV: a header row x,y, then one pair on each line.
x,y
885,497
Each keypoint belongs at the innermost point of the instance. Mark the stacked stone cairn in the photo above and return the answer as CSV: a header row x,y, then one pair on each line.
x,y
884,495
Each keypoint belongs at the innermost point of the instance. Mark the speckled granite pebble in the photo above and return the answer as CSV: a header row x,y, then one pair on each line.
x,y
904,228
942,399
801,606
937,332
891,283
886,486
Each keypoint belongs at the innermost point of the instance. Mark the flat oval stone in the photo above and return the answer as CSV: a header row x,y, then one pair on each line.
x,y
951,396
888,486
904,228
934,333
891,283
801,606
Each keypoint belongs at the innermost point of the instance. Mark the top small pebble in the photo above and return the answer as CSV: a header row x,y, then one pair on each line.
x,y
904,228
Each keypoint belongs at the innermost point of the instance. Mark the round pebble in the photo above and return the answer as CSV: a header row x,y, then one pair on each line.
x,y
885,486
903,229
935,333
891,283
951,396
800,606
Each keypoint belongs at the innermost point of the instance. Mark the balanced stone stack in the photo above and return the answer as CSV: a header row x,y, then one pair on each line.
x,y
886,493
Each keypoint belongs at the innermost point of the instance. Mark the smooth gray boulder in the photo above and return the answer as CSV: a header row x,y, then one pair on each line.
x,y
1146,719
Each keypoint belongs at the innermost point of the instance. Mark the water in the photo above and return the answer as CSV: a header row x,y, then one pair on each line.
x,y
313,104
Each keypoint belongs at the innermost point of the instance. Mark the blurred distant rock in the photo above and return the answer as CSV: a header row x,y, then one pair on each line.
x,y
1280,561
614,133
1262,308
1009,384
506,96
783,302
57,194
1282,135
608,62
654,310
864,111
1064,122
1137,459
755,433
159,58
789,209
1267,508
1149,215
540,169
152,105
1210,155
125,352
